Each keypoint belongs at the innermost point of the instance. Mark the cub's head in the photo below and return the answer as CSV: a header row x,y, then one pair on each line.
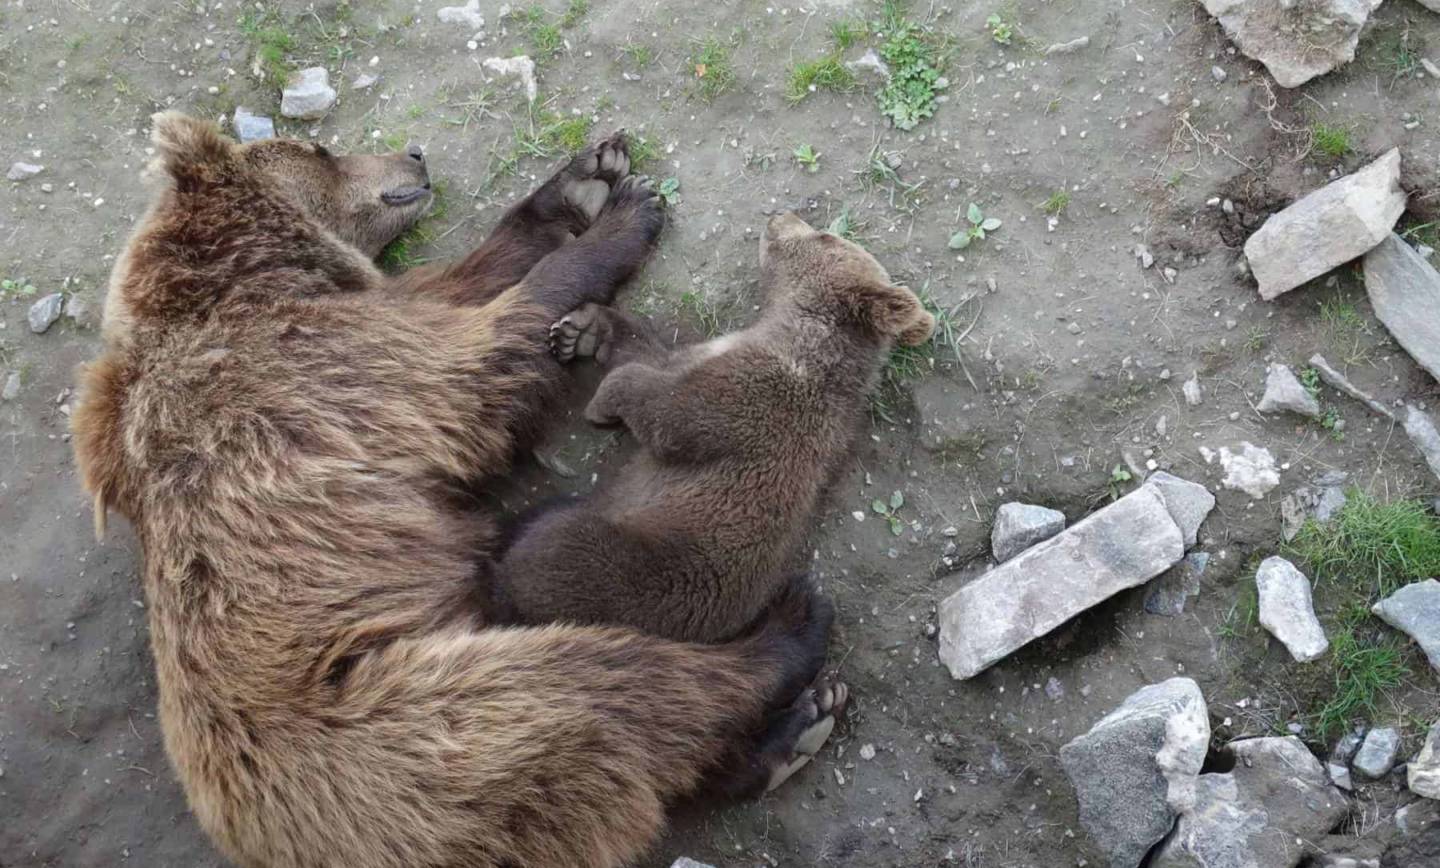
x,y
365,200
828,275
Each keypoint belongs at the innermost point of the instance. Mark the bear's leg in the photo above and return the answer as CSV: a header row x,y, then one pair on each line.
x,y
609,336
790,739
561,209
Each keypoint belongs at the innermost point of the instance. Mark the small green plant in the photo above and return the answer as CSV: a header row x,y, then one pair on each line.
x,y
845,225
807,157
1310,379
669,191
639,54
576,10
909,97
1000,30
18,287
712,317
1332,141
889,510
847,32
827,73
1256,338
714,72
1331,421
642,152
979,226
1057,203
1118,477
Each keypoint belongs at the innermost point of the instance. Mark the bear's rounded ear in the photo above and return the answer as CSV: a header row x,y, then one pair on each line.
x,y
192,151
898,313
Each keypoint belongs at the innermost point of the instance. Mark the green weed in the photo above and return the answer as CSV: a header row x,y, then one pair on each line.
x,y
847,32
642,152
979,226
711,316
669,191
713,69
1332,141
1002,31
827,73
1363,666
914,63
807,157
270,41
639,54
1057,203
890,511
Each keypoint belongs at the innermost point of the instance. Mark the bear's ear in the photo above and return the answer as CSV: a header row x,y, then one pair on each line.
x,y
192,151
897,313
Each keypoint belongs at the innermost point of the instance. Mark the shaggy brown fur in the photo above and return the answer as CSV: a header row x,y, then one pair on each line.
x,y
286,429
739,436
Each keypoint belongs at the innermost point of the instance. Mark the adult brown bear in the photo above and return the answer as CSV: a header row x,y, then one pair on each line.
x,y
287,431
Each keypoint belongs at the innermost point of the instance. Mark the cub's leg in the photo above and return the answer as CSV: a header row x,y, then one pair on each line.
x,y
559,210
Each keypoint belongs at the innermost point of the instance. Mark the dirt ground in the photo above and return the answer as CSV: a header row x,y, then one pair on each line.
x,y
1070,365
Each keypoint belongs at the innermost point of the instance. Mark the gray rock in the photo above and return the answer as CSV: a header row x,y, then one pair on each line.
x,y
1217,73
1070,47
80,310
1422,774
1346,747
1251,469
521,68
252,127
869,64
44,312
1258,814
363,81
1169,593
308,94
467,15
1418,816
1404,289
1189,502
1423,435
1283,391
1331,226
687,862
1346,851
1295,41
1123,545
1191,388
1419,847
1338,380
1018,526
1135,771
1415,611
20,171
1339,775
1377,753
12,387
1287,611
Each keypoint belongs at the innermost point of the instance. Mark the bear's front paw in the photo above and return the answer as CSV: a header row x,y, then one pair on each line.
x,y
588,180
817,709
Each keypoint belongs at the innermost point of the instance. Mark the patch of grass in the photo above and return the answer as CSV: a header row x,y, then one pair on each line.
x,y
807,157
827,73
639,54
846,32
909,363
642,152
669,191
1332,141
576,10
711,65
845,225
914,63
712,317
404,252
1370,547
270,41
1057,203
1364,666
1256,338
551,134
1244,613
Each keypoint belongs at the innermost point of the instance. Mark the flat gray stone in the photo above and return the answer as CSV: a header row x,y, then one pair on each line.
x,y
1018,526
1377,753
686,861
1134,772
1169,594
1287,611
1423,435
1422,774
521,68
1191,388
20,171
12,387
1283,391
1123,545
44,312
1295,41
1189,502
1415,611
1253,816
1404,290
1339,222
308,94
251,127
468,15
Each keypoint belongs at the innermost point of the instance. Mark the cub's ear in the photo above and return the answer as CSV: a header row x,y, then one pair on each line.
x,y
897,313
192,151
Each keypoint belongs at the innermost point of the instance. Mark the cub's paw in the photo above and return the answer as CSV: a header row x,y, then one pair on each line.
x,y
587,181
807,725
581,333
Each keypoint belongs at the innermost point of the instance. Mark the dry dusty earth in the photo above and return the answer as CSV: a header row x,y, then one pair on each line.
x,y
1071,358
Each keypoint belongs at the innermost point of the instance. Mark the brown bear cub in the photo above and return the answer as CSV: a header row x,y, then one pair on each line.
x,y
739,437
287,430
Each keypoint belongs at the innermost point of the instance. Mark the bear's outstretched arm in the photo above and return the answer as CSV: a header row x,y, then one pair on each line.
x,y
561,209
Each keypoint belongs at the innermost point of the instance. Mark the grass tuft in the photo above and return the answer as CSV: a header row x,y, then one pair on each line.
x,y
1372,547
827,73
711,65
1332,141
1364,667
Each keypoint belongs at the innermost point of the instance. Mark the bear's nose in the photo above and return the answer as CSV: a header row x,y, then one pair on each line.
x,y
415,153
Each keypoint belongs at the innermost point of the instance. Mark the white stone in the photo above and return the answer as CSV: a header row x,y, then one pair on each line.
x,y
1018,526
12,387
308,94
1377,753
1422,774
468,15
1337,223
521,68
1251,469
1283,391
44,312
1070,47
363,81
1287,611
1295,41
250,127
20,171
871,64
1191,388
1415,611
1123,545
1422,433
687,862
1404,289
1134,772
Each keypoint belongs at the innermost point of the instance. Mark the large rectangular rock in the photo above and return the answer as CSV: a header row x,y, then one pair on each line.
x,y
1123,545
1404,289
1341,221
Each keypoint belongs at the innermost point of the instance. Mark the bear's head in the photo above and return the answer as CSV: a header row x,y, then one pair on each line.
x,y
825,274
364,200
